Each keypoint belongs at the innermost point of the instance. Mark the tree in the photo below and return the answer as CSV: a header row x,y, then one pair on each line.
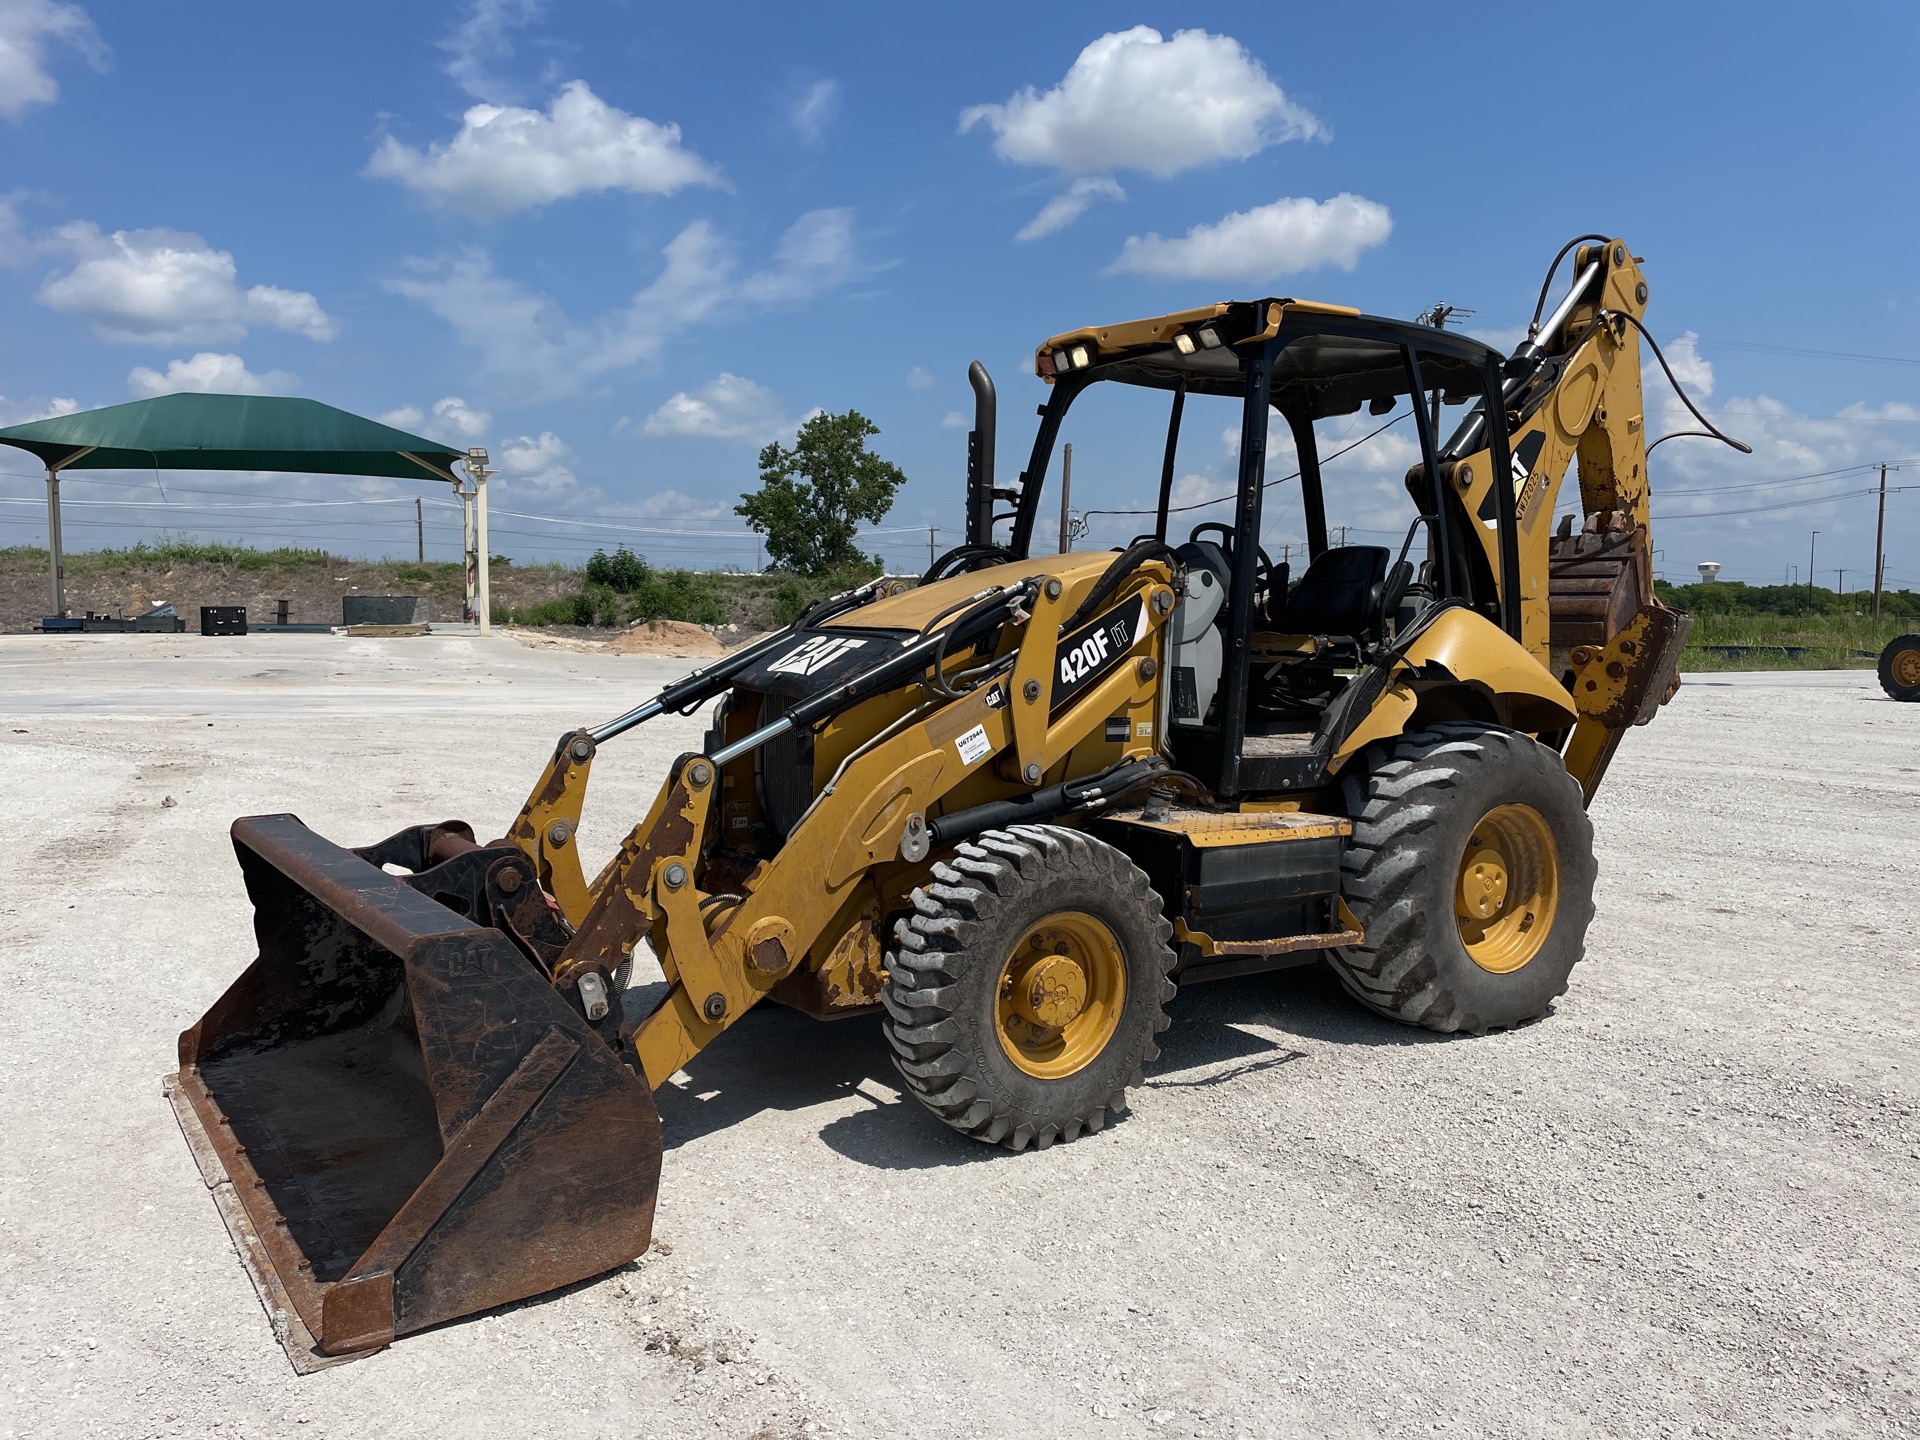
x,y
815,493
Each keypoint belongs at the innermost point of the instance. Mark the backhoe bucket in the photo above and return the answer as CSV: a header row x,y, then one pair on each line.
x,y
416,1122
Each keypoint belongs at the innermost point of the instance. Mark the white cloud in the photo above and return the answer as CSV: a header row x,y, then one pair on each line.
x,y
481,39
725,408
1284,238
459,418
25,412
672,505
209,373
524,335
1759,529
452,420
816,109
536,461
1064,209
954,420
29,29
919,378
1134,100
1785,442
815,254
507,158
164,287
1690,368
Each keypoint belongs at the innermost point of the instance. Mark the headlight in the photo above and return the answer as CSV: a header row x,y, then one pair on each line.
x,y
1183,342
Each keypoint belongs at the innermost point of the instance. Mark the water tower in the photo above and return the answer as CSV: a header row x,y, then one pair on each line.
x,y
1709,571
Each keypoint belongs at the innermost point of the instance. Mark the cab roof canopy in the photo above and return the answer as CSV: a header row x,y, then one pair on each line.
x,y
232,432
1337,361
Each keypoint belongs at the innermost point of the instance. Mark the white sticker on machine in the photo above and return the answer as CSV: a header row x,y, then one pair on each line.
x,y
973,745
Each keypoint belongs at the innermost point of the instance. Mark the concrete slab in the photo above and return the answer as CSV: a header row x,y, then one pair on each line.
x,y
1686,1202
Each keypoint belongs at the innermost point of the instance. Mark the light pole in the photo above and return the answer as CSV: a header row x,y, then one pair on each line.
x,y
477,468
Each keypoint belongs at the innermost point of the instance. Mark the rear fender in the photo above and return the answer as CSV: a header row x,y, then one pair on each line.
x,y
1472,651
1462,666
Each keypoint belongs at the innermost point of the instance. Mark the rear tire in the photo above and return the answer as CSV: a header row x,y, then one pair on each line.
x,y
1024,991
1471,872
1900,667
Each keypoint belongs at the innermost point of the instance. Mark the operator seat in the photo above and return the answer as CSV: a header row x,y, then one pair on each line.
x,y
1339,594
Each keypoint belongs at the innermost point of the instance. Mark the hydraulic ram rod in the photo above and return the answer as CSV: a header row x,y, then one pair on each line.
x,y
703,685
887,674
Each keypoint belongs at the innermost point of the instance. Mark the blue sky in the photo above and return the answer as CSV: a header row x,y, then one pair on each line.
x,y
622,245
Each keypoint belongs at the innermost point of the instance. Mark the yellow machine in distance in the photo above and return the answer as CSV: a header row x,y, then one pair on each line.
x,y
1007,810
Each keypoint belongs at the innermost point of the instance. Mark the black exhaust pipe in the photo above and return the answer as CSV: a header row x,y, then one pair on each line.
x,y
980,443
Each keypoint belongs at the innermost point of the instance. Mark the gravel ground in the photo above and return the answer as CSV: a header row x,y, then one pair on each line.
x,y
1685,1203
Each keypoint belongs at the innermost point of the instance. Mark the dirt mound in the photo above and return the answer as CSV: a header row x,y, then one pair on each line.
x,y
666,637
671,638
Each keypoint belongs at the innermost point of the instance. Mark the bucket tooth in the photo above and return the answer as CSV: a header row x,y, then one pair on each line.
x,y
418,1124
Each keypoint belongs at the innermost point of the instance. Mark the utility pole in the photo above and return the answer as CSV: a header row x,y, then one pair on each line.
x,y
1810,545
1343,534
1066,495
1880,544
1437,317
1841,583
419,530
930,554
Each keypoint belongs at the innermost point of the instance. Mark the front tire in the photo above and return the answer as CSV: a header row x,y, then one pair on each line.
x,y
1900,667
1024,991
1471,872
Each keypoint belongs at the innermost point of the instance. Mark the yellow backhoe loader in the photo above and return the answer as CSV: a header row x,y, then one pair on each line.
x,y
1007,810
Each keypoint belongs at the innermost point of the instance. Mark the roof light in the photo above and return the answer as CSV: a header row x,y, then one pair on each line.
x,y
1209,337
1183,342
1080,357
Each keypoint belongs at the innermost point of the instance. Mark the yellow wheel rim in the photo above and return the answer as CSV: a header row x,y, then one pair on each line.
x,y
1061,994
1508,888
1905,669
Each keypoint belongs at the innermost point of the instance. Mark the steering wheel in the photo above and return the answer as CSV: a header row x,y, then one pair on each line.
x,y
1264,576
1226,537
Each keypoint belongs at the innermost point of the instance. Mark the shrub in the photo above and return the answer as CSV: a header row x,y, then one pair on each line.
x,y
795,592
623,570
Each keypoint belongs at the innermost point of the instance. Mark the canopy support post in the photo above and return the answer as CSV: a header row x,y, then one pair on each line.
x,y
466,548
56,553
477,467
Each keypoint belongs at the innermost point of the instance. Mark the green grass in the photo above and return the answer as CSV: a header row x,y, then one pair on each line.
x,y
1788,627
166,553
1788,642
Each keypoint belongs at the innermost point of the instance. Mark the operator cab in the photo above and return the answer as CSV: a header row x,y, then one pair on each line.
x,y
1272,662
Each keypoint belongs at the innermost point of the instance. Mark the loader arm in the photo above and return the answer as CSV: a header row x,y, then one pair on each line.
x,y
722,953
1588,613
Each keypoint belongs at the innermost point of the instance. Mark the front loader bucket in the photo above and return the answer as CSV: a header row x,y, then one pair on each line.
x,y
418,1125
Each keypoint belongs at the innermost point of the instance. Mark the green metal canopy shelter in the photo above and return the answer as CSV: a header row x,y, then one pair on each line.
x,y
242,432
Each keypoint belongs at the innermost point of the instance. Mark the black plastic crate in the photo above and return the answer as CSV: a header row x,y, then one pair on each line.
x,y
223,619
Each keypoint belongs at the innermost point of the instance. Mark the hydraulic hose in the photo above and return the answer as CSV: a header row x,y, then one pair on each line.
x,y
1088,792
